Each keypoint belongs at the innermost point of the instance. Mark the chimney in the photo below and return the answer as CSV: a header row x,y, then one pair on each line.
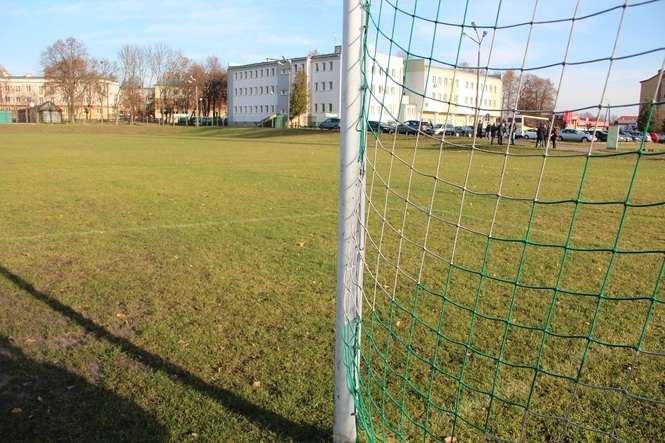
x,y
338,49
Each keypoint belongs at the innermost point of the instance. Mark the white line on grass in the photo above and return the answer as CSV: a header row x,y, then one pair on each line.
x,y
169,226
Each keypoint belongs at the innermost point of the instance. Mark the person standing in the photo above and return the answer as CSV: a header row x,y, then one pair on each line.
x,y
492,133
499,132
488,128
554,136
540,136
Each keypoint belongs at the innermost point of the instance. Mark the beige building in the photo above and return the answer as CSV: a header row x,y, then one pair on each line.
x,y
648,91
450,94
20,92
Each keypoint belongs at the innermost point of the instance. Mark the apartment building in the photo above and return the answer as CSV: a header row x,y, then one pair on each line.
x,y
386,101
17,93
259,91
447,95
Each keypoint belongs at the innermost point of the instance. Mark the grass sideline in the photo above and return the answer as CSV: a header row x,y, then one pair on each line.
x,y
177,284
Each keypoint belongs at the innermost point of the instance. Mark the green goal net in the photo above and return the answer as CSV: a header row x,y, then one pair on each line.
x,y
511,257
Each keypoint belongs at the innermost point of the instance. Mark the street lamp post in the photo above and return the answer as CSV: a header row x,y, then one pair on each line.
x,y
196,96
198,110
479,41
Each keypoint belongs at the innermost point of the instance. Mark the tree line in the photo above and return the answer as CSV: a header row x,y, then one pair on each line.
x,y
82,81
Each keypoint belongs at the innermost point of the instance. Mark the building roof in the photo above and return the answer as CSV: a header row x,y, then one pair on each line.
x,y
23,77
336,53
627,119
652,77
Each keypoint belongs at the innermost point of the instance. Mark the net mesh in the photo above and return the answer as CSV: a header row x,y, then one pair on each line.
x,y
509,292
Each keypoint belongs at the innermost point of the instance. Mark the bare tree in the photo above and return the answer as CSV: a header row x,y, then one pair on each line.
x,y
134,68
107,71
537,95
164,63
215,90
195,86
173,88
509,90
65,65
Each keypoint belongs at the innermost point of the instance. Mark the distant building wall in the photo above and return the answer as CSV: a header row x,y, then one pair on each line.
x,y
17,92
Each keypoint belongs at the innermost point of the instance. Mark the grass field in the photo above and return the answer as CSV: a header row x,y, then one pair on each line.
x,y
175,284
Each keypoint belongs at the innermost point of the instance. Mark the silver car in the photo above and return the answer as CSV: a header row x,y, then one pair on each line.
x,y
576,135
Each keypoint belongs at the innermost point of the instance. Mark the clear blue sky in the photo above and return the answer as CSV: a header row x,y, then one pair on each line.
x,y
242,31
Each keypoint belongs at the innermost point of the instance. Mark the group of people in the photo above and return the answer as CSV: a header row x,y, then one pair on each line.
x,y
541,136
497,130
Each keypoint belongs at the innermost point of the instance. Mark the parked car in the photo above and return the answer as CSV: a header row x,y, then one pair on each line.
x,y
600,135
575,135
425,127
330,124
638,136
447,129
531,134
415,125
404,128
464,131
380,127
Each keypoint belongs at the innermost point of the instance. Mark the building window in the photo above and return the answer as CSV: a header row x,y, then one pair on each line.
x,y
323,86
316,107
272,89
316,86
330,65
273,71
317,67
272,108
329,107
330,85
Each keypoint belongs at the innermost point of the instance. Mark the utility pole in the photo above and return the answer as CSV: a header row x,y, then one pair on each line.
x,y
196,97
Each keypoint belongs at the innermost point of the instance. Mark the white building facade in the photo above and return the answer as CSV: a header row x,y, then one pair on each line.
x,y
436,94
449,94
259,91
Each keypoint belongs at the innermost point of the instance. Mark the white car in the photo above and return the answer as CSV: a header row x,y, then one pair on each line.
x,y
576,135
531,134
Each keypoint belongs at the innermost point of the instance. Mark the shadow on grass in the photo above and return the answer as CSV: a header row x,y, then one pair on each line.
x,y
261,416
255,133
44,402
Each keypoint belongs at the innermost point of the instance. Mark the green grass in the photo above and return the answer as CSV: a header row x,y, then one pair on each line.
x,y
174,284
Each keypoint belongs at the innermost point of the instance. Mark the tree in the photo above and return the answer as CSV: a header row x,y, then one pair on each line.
x,y
134,67
196,87
106,71
537,95
298,103
643,117
65,65
509,91
215,86
172,90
